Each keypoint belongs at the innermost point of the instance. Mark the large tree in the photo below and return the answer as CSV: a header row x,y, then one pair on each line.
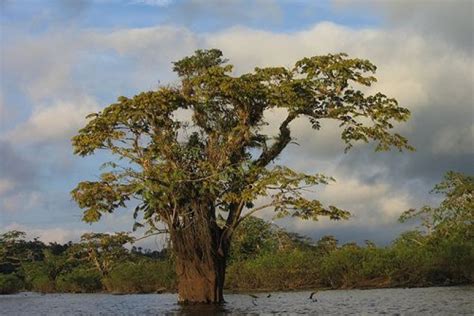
x,y
196,158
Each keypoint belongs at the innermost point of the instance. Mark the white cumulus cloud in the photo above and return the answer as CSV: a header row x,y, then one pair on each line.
x,y
57,122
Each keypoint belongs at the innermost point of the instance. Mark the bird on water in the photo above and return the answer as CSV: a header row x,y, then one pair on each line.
x,y
311,297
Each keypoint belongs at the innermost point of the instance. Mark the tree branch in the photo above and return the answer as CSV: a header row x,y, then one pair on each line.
x,y
253,211
283,139
163,231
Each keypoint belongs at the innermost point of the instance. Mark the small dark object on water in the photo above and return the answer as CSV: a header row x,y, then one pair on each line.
x,y
311,296
254,299
269,295
160,290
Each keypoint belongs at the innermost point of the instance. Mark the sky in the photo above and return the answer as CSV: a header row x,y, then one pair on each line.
x,y
63,59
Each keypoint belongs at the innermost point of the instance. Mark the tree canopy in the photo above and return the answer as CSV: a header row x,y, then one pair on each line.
x,y
221,154
102,250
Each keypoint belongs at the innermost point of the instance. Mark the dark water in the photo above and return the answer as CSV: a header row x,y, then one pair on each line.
x,y
419,301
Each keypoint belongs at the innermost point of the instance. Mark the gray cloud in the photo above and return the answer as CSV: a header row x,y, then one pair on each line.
x,y
19,181
15,168
450,20
444,140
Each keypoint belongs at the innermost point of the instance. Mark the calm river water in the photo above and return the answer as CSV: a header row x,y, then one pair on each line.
x,y
418,301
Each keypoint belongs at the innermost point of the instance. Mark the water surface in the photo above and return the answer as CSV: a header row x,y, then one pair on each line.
x,y
416,301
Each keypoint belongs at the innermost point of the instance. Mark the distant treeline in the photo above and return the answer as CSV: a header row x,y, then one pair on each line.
x,y
263,257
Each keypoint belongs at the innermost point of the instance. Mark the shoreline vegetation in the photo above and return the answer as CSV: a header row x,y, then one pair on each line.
x,y
264,258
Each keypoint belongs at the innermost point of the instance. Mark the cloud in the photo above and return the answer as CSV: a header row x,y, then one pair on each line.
x,y
150,50
63,235
364,200
44,15
21,201
375,209
54,123
450,141
47,235
18,181
3,108
92,64
6,185
15,169
448,20
33,63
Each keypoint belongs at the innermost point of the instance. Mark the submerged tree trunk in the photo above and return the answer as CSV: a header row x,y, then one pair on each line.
x,y
200,282
200,254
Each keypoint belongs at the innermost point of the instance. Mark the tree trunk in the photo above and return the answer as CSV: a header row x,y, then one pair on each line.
x,y
200,254
200,281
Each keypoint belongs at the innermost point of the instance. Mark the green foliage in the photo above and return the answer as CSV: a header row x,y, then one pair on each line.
x,y
220,161
377,264
255,237
42,283
456,261
414,263
252,238
342,268
354,266
276,271
38,277
447,248
141,277
80,280
454,217
41,276
101,250
326,244
189,67
10,283
14,250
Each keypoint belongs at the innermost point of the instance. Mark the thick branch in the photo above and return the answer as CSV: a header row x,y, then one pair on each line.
x,y
282,141
234,214
233,220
